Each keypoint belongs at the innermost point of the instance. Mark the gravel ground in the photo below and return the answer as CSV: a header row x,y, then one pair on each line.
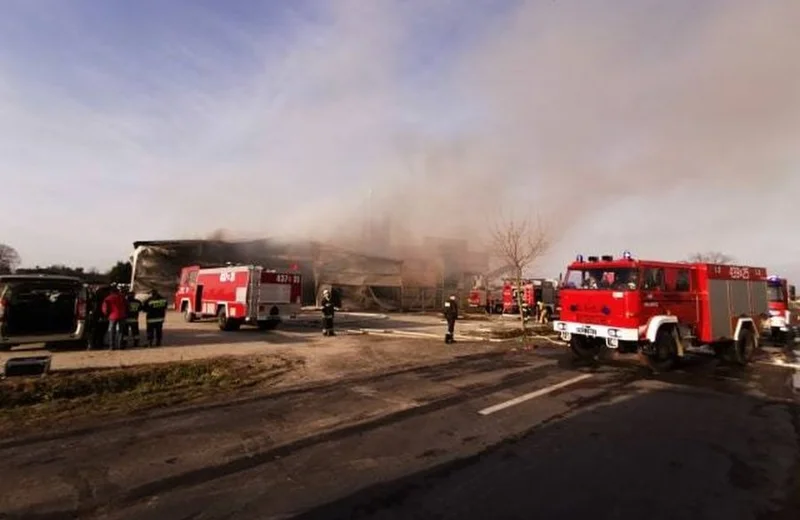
x,y
300,337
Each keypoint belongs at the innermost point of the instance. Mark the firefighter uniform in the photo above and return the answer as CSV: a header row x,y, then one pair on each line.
x,y
97,324
541,312
328,311
451,315
132,321
155,310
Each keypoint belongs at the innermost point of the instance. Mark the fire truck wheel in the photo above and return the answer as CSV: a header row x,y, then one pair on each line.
x,y
743,350
188,315
665,352
584,348
227,324
267,324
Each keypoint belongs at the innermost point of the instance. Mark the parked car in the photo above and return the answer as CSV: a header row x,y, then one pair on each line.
x,y
42,309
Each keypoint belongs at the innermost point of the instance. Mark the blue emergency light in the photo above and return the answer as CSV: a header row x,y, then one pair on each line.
x,y
579,258
774,279
627,255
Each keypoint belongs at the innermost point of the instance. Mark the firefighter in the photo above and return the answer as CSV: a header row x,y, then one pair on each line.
x,y
96,323
543,314
114,309
132,320
155,311
328,310
451,315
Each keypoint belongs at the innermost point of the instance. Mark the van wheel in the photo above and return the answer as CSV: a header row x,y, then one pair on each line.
x,y
584,348
664,353
741,352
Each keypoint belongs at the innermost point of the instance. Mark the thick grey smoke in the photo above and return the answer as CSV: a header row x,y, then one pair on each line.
x,y
602,99
554,107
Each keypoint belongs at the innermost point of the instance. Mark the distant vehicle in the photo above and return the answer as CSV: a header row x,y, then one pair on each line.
x,y
41,309
533,291
783,323
661,308
488,300
239,294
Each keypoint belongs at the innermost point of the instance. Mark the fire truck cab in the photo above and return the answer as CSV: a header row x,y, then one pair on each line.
x,y
661,309
783,322
238,294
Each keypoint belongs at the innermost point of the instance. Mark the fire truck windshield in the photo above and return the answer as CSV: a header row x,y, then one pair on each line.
x,y
775,293
603,278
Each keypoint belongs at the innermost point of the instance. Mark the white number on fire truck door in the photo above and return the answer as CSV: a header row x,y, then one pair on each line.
x,y
227,276
282,278
296,279
740,273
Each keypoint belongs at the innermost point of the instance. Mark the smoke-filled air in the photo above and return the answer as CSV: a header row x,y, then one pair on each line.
x,y
662,127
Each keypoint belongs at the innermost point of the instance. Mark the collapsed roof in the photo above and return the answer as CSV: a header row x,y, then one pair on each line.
x,y
157,263
367,278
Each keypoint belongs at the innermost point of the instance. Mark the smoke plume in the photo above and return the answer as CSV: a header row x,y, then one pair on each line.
x,y
560,108
669,126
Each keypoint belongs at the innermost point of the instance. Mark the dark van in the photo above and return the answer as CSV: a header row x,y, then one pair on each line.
x,y
41,309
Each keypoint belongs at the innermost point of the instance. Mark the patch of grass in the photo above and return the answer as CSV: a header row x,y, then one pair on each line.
x,y
508,333
517,332
475,316
62,396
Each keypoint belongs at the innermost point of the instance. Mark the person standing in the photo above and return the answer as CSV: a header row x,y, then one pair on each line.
x,y
114,309
132,320
328,310
451,315
96,322
155,311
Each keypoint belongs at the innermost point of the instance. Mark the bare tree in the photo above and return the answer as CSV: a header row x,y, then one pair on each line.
x,y
519,243
9,259
712,257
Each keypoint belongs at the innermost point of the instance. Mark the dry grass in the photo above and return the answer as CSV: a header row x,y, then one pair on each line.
x,y
35,402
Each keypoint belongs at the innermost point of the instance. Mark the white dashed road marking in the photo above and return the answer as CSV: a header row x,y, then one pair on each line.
x,y
533,395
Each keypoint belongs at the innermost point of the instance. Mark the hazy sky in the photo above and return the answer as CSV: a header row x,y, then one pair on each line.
x,y
663,127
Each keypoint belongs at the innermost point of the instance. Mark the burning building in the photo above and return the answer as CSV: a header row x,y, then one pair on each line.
x,y
412,278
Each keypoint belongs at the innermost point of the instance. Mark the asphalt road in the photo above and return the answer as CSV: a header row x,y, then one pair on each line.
x,y
496,435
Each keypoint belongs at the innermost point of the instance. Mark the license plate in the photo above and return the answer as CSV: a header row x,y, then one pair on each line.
x,y
586,331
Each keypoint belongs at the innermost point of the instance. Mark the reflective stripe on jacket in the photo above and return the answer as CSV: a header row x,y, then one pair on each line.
x,y
155,309
134,307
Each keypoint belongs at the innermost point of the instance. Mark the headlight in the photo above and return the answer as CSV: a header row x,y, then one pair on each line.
x,y
613,333
562,326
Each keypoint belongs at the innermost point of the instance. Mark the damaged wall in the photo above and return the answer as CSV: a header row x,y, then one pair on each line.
x,y
366,282
157,264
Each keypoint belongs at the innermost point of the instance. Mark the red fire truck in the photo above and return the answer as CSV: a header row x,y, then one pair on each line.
x,y
489,300
661,309
238,294
782,323
533,291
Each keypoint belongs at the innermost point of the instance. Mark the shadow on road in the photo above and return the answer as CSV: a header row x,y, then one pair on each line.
x,y
648,451
192,336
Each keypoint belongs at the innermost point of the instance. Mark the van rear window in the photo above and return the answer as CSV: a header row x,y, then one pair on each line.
x,y
51,289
